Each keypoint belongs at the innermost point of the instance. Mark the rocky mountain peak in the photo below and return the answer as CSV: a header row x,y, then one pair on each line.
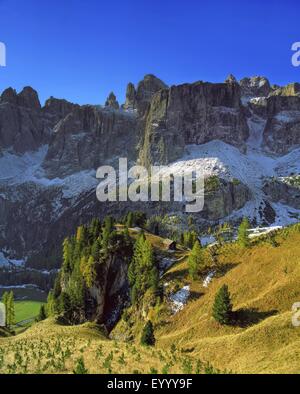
x,y
146,89
130,102
231,79
111,101
9,95
29,98
292,89
256,86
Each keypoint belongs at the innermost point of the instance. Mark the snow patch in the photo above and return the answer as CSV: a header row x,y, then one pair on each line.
x,y
208,278
179,299
7,262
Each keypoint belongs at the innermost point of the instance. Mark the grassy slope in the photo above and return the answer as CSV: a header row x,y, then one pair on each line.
x,y
264,282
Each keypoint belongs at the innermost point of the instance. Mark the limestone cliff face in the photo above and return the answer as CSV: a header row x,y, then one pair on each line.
x,y
103,302
192,114
283,190
153,126
282,131
226,198
89,136
23,126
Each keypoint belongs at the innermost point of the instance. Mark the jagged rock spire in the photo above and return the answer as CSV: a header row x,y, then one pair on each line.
x,y
130,102
231,79
112,101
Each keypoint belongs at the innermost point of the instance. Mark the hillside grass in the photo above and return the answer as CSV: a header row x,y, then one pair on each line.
x,y
48,347
264,284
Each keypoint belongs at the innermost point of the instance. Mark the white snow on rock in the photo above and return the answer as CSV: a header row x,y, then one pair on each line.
x,y
288,116
258,231
18,169
6,262
251,168
208,278
179,299
207,240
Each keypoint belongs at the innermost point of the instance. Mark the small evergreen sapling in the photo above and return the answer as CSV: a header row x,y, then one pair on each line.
x,y
222,308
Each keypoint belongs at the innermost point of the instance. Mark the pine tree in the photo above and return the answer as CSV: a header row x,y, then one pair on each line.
x,y
96,248
148,337
108,224
95,229
67,255
143,272
243,236
65,305
10,310
42,313
129,220
88,270
51,304
222,308
196,260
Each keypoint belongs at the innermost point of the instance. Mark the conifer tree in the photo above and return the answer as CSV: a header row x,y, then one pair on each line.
x,y
51,307
10,310
67,255
222,308
143,272
196,260
65,305
129,220
243,236
42,313
148,337
88,270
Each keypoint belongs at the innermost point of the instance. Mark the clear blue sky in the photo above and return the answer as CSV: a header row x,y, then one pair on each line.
x,y
81,50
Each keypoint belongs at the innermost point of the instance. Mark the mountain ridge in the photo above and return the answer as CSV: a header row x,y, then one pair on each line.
x,y
49,155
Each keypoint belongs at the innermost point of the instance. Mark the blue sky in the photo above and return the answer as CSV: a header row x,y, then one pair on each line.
x,y
81,50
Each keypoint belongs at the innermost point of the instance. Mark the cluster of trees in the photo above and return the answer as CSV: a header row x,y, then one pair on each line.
x,y
83,255
9,304
134,219
143,272
189,238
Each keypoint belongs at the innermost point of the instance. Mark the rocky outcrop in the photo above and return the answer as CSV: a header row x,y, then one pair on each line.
x,y
112,101
292,89
255,87
58,108
146,90
222,200
130,102
23,126
153,126
192,114
89,136
282,131
284,190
